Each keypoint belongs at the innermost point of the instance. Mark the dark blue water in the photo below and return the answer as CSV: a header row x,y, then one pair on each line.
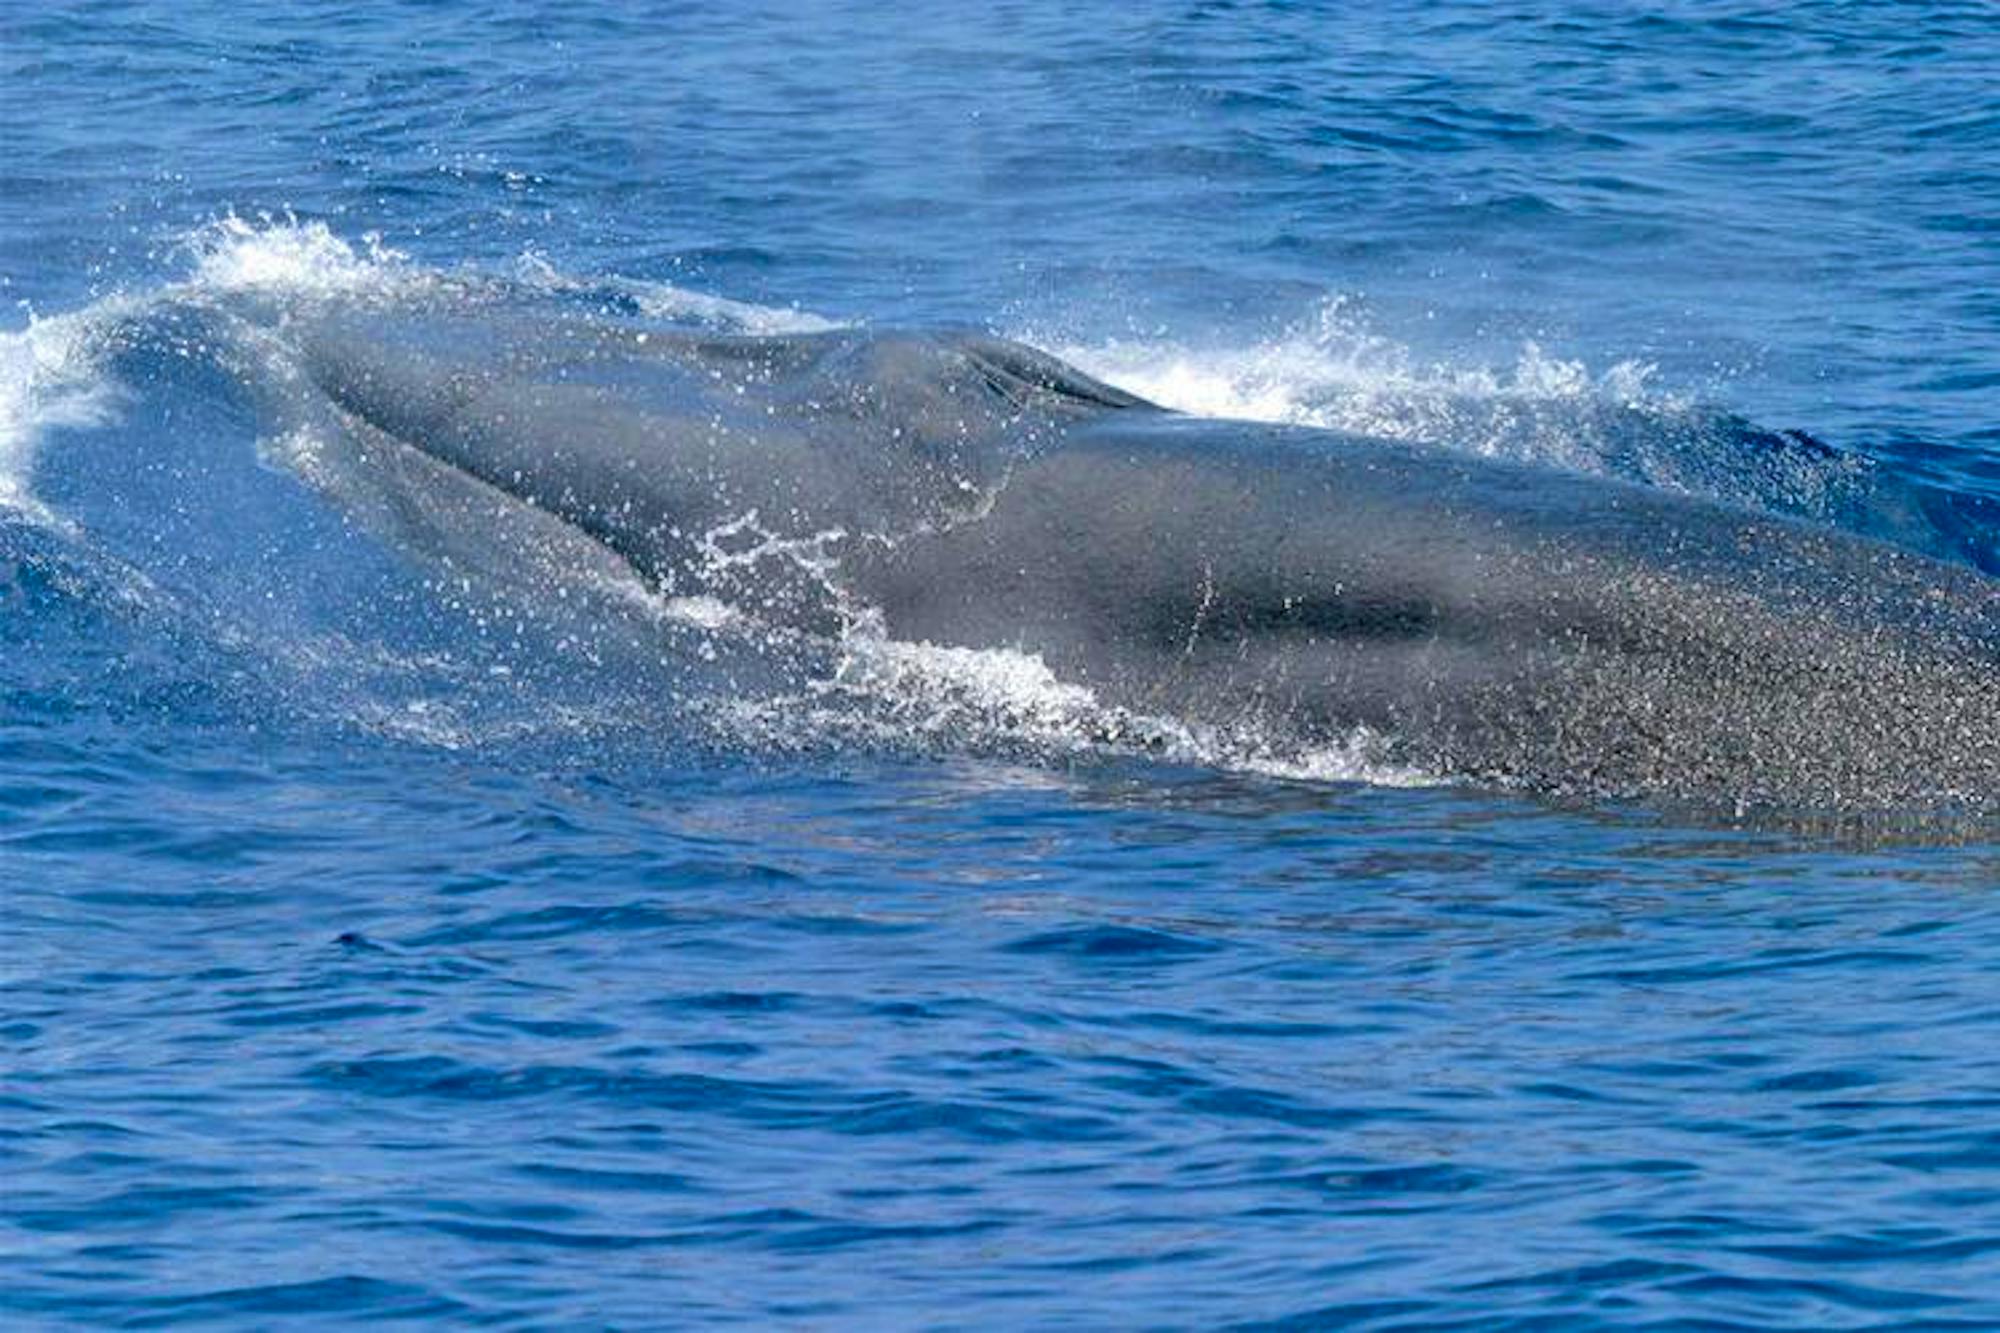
x,y
484,943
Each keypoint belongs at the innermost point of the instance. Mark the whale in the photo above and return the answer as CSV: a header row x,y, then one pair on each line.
x,y
1490,622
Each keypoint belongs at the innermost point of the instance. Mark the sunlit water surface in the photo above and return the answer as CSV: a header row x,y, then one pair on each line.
x,y
385,944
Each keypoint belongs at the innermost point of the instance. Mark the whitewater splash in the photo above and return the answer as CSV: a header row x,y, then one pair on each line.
x,y
53,371
944,693
294,259
51,377
1334,372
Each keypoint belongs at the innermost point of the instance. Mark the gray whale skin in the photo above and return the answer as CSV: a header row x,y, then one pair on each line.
x,y
1487,621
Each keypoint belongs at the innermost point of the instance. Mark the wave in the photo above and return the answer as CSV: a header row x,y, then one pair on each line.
x,y
50,379
1334,372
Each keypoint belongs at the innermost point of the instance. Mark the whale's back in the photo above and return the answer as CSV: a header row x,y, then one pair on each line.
x,y
1485,619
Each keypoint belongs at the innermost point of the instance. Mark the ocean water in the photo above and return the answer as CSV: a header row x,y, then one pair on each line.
x,y
481,938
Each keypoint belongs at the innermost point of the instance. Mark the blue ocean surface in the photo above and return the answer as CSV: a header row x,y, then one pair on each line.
x,y
471,938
